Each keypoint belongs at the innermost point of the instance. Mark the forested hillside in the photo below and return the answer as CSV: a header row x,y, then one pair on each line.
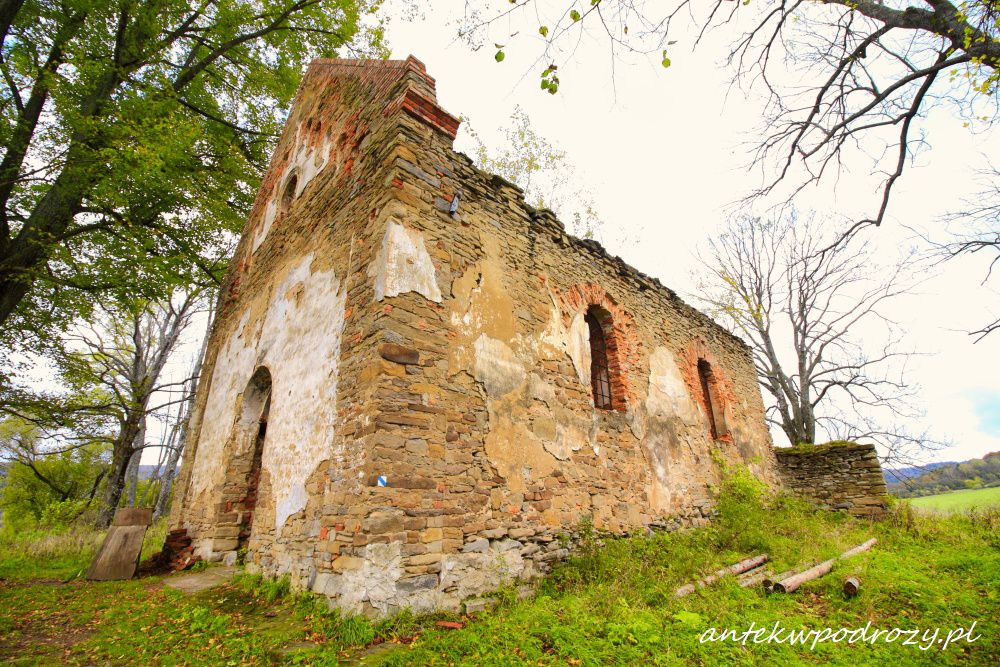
x,y
971,474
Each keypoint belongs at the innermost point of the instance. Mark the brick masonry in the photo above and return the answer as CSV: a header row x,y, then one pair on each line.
x,y
836,476
425,376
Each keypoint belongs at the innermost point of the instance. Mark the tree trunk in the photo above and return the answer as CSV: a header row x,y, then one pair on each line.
x,y
132,472
815,572
131,479
121,455
771,580
167,482
8,10
755,577
52,216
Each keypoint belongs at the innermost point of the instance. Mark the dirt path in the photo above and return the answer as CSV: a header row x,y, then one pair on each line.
x,y
196,582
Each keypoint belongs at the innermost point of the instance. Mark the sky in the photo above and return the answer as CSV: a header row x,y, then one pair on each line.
x,y
663,155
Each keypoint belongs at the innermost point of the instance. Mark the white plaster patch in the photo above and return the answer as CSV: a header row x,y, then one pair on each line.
x,y
554,334
471,574
573,432
403,265
302,331
668,395
375,581
569,438
233,367
541,390
496,366
578,347
299,342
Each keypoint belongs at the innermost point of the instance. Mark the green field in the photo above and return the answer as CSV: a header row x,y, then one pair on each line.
x,y
959,501
612,603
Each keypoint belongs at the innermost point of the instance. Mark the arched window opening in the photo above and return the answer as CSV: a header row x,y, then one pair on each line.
x,y
707,381
600,371
288,194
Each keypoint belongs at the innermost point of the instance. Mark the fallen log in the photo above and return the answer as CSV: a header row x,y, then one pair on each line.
x,y
736,568
793,582
858,549
751,572
769,582
851,586
757,577
815,572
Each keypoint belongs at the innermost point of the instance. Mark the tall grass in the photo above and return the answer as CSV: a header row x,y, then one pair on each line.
x,y
38,552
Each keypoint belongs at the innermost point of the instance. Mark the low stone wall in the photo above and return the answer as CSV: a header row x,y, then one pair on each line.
x,y
837,476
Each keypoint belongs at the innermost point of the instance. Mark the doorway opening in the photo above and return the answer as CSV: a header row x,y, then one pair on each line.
x,y
253,425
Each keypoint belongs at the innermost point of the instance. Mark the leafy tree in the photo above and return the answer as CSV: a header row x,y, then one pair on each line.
x,y
40,486
109,381
541,169
134,135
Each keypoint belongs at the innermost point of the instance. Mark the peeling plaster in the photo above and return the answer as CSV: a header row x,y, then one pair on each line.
x,y
496,366
668,395
233,368
572,434
541,390
299,342
578,347
554,335
404,265
482,301
306,162
471,574
519,455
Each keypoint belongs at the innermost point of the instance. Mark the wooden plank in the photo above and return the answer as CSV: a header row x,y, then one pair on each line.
x,y
118,556
133,516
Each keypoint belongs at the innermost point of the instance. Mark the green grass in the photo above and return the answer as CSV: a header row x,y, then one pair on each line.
x,y
960,501
611,604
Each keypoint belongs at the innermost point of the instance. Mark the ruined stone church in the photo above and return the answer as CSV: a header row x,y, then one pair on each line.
x,y
416,382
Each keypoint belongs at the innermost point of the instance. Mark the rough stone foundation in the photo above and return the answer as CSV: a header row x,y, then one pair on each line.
x,y
837,476
397,407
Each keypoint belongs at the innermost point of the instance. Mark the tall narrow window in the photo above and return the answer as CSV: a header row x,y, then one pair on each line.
x,y
600,375
288,194
705,375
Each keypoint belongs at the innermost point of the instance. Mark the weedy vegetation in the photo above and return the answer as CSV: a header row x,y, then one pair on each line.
x,y
611,603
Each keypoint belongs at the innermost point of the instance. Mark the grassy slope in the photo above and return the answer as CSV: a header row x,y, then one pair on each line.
x,y
611,605
959,501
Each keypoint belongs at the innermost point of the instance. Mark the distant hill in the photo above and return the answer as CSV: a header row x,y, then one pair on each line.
x,y
147,471
895,475
971,474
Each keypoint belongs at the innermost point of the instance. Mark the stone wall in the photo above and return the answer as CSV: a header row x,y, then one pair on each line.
x,y
432,433
837,476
